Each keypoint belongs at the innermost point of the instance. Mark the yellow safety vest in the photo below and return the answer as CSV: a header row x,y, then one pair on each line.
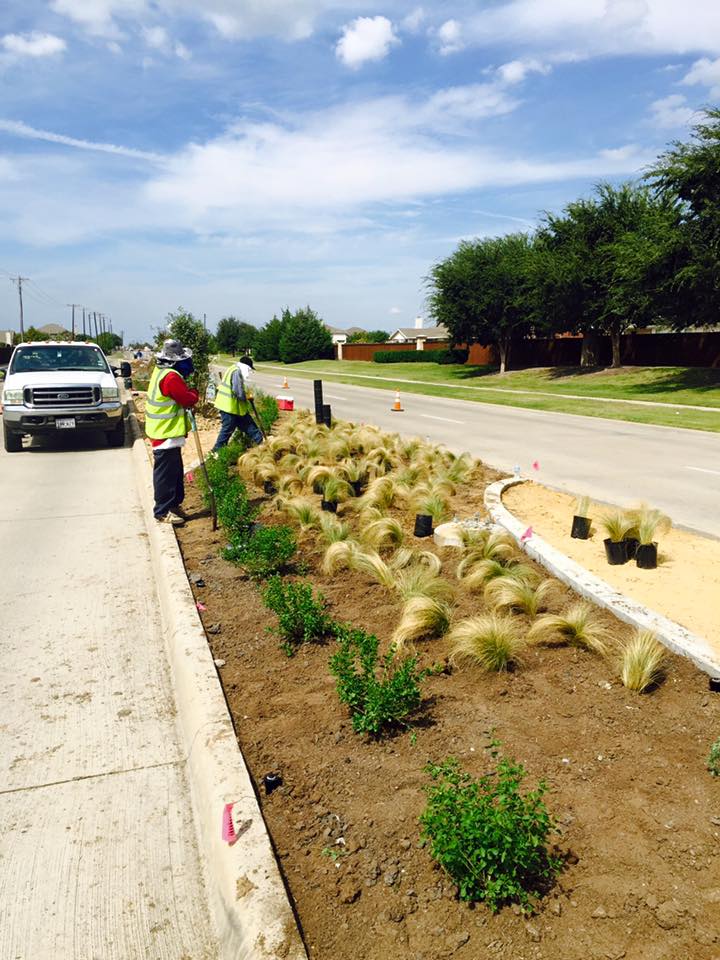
x,y
164,418
225,399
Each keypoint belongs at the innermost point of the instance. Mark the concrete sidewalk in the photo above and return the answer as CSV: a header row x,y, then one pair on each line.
x,y
98,853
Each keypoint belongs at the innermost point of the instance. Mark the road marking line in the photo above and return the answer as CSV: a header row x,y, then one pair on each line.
x,y
332,396
703,470
429,416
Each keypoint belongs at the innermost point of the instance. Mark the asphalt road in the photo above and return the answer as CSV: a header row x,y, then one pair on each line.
x,y
610,460
97,846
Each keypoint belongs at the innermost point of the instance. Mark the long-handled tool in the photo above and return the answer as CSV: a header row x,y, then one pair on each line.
x,y
201,458
258,421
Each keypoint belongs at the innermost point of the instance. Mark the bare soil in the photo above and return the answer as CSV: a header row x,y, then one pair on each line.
x,y
638,814
685,586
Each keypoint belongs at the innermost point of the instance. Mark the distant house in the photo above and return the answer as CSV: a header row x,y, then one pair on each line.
x,y
419,332
342,336
6,337
52,329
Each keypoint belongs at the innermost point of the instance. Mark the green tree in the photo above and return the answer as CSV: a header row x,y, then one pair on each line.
x,y
487,292
689,174
109,342
227,334
191,332
267,342
304,336
609,264
369,336
31,335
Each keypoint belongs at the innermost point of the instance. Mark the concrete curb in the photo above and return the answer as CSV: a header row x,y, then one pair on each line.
x,y
672,634
250,907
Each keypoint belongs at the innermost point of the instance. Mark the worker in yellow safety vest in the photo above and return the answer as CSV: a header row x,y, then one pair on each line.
x,y
233,393
166,426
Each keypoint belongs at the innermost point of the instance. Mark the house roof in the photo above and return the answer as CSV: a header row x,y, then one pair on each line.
x,y
349,330
52,328
429,333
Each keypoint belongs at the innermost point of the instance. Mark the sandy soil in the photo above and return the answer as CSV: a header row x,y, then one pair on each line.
x,y
685,586
638,814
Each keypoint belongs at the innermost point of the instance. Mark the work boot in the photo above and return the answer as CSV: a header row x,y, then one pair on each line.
x,y
172,518
180,512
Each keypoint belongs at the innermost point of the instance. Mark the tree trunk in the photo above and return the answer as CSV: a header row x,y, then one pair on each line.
x,y
615,340
589,349
504,347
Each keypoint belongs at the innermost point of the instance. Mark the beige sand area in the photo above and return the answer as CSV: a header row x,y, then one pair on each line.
x,y
685,586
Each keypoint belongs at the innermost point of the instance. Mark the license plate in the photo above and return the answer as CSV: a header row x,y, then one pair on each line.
x,y
65,423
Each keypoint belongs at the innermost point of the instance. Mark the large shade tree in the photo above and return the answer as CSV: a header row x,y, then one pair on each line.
x,y
486,292
304,336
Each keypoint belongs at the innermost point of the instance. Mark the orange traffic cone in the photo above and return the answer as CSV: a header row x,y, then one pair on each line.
x,y
397,406
285,384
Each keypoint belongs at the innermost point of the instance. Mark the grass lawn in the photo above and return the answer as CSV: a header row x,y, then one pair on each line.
x,y
553,389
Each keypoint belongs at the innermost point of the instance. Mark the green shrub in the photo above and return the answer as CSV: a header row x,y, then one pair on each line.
x,y
713,760
302,617
402,356
453,355
267,551
379,695
267,409
236,514
488,836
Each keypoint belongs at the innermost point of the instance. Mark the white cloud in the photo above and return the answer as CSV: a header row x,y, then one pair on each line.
x,y
158,39
515,71
450,37
98,16
626,152
706,73
19,129
414,20
365,39
394,311
32,44
598,27
671,112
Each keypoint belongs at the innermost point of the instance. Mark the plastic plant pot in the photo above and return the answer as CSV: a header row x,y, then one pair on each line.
x,y
330,506
580,528
616,552
357,486
632,544
423,525
714,684
646,556
269,487
271,781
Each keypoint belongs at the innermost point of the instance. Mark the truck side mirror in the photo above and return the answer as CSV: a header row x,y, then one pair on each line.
x,y
125,369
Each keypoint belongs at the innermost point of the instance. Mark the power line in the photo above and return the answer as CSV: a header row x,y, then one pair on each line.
x,y
19,281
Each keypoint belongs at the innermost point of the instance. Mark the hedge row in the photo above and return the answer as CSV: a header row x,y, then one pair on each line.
x,y
453,355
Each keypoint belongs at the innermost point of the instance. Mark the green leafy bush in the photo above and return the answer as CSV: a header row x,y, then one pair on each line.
x,y
267,409
488,836
267,551
302,617
380,694
402,356
713,760
453,355
235,512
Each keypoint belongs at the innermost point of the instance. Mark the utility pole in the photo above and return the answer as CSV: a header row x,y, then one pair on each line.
x,y
83,321
19,282
73,305
205,320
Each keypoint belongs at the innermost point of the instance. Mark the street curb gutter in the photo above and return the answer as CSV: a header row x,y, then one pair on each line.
x,y
250,907
672,634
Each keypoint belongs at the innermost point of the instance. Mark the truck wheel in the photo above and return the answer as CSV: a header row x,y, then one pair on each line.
x,y
116,437
13,441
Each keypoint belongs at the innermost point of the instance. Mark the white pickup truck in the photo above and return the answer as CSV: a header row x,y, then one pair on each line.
x,y
61,386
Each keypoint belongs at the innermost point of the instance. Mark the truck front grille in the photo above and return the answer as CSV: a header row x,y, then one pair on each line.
x,y
62,396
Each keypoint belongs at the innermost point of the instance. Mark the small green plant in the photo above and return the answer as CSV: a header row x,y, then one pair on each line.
x,y
380,693
713,760
235,512
617,525
302,617
642,661
267,551
487,835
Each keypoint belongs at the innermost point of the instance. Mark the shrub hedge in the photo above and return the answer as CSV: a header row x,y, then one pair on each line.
x,y
451,355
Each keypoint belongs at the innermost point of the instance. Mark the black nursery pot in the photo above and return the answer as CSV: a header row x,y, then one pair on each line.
x,y
330,506
632,544
269,487
581,528
357,486
616,552
423,525
646,556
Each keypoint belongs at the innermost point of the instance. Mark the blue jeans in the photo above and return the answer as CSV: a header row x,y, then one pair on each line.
x,y
230,422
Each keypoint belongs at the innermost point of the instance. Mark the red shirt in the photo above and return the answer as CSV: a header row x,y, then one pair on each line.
x,y
172,385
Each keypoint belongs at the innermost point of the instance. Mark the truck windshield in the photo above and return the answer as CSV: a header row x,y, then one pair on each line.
x,y
57,357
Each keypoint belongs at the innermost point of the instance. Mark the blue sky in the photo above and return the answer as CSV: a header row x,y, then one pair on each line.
x,y
237,157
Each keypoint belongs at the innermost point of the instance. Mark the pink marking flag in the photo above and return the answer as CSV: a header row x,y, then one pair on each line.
x,y
526,536
536,464
201,607
228,828
189,476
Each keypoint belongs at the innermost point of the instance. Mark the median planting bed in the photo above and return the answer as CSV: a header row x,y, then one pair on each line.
x,y
463,771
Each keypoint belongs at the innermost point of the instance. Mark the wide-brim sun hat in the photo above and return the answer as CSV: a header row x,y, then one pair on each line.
x,y
172,351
